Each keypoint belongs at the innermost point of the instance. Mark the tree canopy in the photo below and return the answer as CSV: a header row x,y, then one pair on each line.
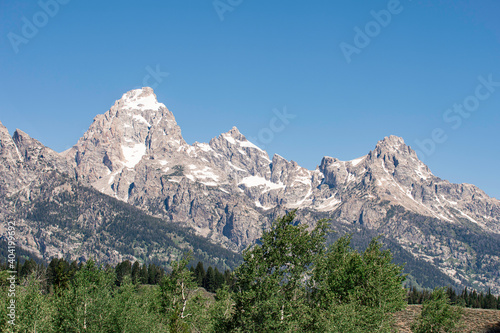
x,y
292,281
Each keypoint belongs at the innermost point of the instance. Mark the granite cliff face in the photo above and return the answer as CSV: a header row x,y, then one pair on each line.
x,y
228,190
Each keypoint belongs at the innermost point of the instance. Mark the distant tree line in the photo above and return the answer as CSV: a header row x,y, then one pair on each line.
x,y
467,298
60,272
211,279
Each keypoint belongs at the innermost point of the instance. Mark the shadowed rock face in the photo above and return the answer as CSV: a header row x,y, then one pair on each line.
x,y
229,189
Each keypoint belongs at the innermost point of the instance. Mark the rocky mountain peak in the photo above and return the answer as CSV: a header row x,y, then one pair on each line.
x,y
3,129
393,151
7,146
238,144
327,160
235,134
10,163
20,137
135,127
278,158
392,145
143,99
136,111
37,156
229,190
28,147
391,140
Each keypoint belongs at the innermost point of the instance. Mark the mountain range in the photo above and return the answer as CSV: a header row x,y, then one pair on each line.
x,y
132,187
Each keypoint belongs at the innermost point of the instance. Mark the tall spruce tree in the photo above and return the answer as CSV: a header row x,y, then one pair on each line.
x,y
136,271
209,282
199,273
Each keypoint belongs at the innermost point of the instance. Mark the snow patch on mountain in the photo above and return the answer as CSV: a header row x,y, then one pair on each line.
x,y
133,155
328,204
230,139
206,172
204,146
468,217
357,160
141,119
253,181
139,100
235,167
258,204
249,144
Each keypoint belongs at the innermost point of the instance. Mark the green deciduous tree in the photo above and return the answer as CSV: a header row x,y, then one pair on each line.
x,y
270,285
438,315
221,311
34,311
292,282
180,298
354,292
136,309
86,305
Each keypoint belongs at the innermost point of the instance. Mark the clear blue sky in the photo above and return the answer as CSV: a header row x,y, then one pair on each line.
x,y
267,55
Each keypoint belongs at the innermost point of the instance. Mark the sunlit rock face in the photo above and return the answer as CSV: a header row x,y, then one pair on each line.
x,y
229,190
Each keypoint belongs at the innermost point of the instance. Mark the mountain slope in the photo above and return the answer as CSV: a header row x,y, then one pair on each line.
x,y
228,190
57,216
64,218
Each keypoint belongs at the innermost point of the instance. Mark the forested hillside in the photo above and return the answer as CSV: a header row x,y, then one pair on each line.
x,y
105,229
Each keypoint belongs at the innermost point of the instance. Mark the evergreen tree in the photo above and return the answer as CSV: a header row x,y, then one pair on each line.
x,y
143,275
450,292
27,268
199,273
490,301
228,278
155,274
123,269
209,282
136,270
219,279
59,273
